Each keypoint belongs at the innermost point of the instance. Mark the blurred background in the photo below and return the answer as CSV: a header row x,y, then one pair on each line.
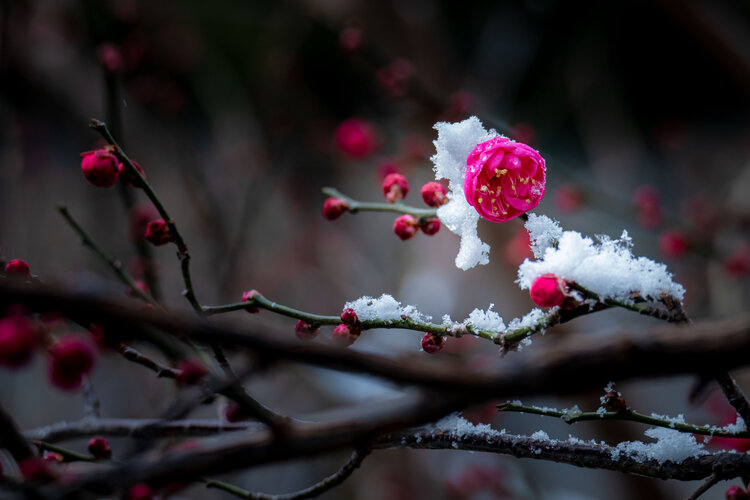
x,y
640,109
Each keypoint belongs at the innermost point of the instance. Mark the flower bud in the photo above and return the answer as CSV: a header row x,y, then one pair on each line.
x,y
234,412
548,291
735,492
37,470
141,491
249,296
349,317
430,226
18,267
191,372
613,401
305,331
568,199
432,343
333,208
158,233
344,335
71,358
673,244
737,265
99,448
405,226
127,177
18,338
100,167
648,205
433,193
395,187
355,137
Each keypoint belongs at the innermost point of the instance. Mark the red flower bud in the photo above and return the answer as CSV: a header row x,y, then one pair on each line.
x,y
568,199
405,226
158,233
140,491
430,226
432,343
234,412
99,448
305,330
100,167
37,470
737,265
355,137
110,57
18,339
673,244
345,335
349,317
395,187
71,358
350,38
249,296
127,177
548,290
613,401
333,208
191,372
18,267
648,204
433,193
139,219
735,492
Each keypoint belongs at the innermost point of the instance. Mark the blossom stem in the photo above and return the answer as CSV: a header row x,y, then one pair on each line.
x,y
115,265
630,306
628,414
357,206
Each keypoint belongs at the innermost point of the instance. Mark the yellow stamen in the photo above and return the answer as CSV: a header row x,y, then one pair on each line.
x,y
479,199
483,188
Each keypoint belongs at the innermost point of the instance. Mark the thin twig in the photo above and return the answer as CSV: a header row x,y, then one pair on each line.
x,y
132,354
115,265
92,408
313,491
360,206
707,485
734,395
628,414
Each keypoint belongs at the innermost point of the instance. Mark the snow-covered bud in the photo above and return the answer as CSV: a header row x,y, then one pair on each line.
x,y
349,317
504,179
333,208
100,167
191,372
18,267
158,233
432,343
395,187
305,331
433,193
345,335
548,290
735,492
405,226
430,226
673,244
249,296
99,448
613,401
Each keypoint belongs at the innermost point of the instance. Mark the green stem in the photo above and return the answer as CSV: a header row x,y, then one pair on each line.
x,y
357,206
68,455
115,265
627,414
182,250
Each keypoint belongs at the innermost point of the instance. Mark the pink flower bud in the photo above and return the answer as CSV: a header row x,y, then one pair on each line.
x,y
345,335
140,285
99,448
249,296
191,372
141,491
735,492
305,331
127,177
355,137
568,199
432,343
673,244
504,179
18,339
737,265
395,187
37,470
349,317
405,226
109,57
71,358
100,167
648,204
430,226
433,193
333,208
139,218
548,290
18,267
158,233
523,132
